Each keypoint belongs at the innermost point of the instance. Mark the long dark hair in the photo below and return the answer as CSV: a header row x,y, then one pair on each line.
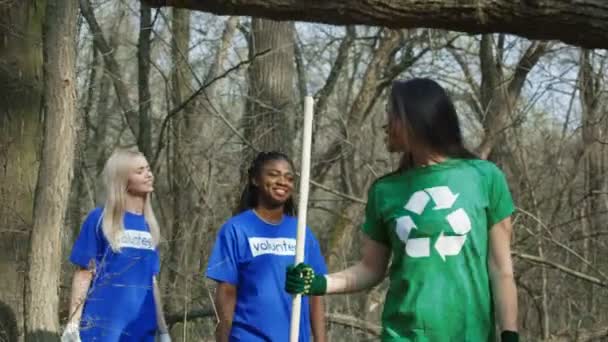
x,y
430,120
250,195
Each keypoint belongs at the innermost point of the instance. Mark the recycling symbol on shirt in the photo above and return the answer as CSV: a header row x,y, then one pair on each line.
x,y
443,198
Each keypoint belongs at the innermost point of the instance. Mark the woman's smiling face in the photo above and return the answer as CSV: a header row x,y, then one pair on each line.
x,y
275,182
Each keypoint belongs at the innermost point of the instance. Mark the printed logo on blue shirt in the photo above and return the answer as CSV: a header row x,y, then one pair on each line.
x,y
136,239
277,246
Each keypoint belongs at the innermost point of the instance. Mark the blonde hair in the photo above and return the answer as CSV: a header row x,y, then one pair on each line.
x,y
116,179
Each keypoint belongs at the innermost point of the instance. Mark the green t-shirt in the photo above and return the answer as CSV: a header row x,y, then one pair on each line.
x,y
436,220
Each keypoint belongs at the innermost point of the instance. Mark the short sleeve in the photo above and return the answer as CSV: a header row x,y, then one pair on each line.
x,y
500,202
223,262
88,245
314,256
156,264
373,226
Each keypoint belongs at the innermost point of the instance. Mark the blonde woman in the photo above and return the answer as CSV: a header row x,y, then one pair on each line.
x,y
115,296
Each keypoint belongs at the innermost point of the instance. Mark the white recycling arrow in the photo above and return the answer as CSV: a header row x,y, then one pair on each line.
x,y
449,245
460,222
404,225
442,196
417,202
418,248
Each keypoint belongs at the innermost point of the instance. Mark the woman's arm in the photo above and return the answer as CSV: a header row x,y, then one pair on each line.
x,y
366,273
225,301
501,275
160,317
317,318
81,282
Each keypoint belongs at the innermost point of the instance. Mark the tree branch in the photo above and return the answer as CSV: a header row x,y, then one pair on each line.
x,y
323,94
112,67
582,22
176,110
334,318
532,55
354,322
144,139
191,315
560,267
371,86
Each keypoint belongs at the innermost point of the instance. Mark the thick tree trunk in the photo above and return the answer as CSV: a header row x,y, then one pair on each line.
x,y
55,174
342,231
20,102
181,181
268,119
582,22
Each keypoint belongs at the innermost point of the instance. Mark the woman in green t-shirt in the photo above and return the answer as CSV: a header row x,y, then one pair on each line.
x,y
444,218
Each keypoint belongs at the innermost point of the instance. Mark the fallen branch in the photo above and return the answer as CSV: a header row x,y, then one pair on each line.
x,y
582,22
333,318
561,267
354,322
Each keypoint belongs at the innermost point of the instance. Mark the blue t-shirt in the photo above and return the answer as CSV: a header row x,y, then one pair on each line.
x,y
120,301
253,255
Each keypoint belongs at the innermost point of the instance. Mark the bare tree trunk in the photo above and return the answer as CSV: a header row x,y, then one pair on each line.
x,y
189,127
20,102
112,68
55,174
103,113
269,113
144,140
593,135
381,70
181,79
499,94
322,96
371,86
343,230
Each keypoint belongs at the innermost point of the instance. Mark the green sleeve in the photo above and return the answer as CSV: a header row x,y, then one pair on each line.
x,y
373,226
501,204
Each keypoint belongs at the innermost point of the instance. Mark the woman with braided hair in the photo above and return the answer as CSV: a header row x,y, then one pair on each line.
x,y
250,255
444,219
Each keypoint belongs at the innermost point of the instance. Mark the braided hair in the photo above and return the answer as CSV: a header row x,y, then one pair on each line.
x,y
250,196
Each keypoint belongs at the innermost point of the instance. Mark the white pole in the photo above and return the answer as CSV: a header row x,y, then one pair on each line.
x,y
294,331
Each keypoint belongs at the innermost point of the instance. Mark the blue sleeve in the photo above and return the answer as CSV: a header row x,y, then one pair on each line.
x,y
223,262
156,266
314,256
88,245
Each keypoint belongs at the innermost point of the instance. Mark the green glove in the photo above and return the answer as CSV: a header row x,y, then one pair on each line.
x,y
302,279
509,336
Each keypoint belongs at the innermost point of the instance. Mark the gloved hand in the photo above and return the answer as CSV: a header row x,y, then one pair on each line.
x,y
302,279
164,337
509,336
71,333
